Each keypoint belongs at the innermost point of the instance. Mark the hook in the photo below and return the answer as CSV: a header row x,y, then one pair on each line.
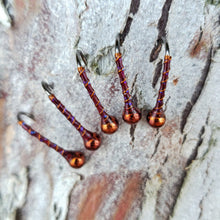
x,y
80,58
109,124
29,115
117,43
91,140
167,49
76,159
156,117
131,114
47,87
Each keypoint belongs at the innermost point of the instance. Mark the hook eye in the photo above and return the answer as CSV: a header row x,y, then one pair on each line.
x,y
117,43
29,115
47,87
80,58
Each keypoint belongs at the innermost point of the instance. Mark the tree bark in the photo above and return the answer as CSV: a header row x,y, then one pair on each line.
x,y
139,172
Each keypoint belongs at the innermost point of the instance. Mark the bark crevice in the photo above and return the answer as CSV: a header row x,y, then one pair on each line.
x,y
197,92
133,10
161,26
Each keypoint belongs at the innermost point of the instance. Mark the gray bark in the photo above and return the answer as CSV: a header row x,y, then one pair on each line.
x,y
178,164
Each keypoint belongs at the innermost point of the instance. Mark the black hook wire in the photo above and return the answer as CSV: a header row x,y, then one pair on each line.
x,y
118,43
80,58
47,87
29,115
167,49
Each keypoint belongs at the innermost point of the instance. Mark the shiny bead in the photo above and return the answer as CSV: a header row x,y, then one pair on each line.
x,y
77,160
110,125
92,140
132,115
156,118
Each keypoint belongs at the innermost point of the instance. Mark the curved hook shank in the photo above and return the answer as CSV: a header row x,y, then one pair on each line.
x,y
19,115
47,87
80,58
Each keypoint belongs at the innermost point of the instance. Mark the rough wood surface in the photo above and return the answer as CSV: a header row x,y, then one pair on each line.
x,y
139,172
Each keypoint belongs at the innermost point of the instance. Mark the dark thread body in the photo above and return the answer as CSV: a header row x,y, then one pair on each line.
x,y
91,92
67,114
91,140
163,82
109,124
131,114
74,158
124,85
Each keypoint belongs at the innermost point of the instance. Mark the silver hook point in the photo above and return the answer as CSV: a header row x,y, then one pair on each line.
x,y
47,87
80,58
117,43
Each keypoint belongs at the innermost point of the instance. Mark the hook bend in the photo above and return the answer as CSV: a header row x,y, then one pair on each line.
x,y
21,114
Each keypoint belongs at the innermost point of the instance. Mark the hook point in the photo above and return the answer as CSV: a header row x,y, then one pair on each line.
x,y
47,87
80,58
167,49
118,43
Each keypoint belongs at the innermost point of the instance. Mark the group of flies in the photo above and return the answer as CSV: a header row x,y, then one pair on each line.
x,y
109,124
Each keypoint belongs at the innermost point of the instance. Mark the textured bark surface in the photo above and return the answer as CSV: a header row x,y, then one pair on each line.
x,y
139,172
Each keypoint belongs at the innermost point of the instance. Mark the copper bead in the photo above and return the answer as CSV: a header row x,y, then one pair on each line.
x,y
156,118
110,125
132,115
78,160
93,141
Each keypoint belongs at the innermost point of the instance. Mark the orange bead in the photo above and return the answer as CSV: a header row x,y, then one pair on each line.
x,y
132,115
93,142
156,118
78,160
110,125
